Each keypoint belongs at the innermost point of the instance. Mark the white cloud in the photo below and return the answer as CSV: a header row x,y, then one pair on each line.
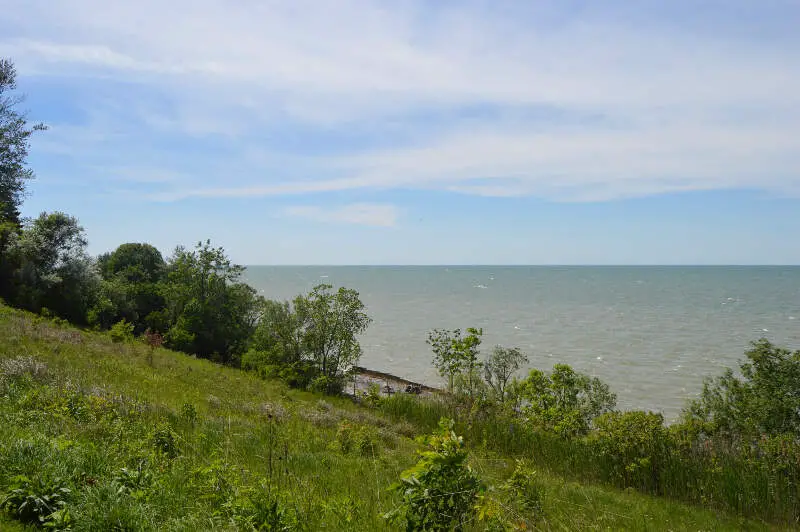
x,y
652,108
372,214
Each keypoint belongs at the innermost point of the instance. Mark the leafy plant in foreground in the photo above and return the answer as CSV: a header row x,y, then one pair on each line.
x,y
35,500
440,491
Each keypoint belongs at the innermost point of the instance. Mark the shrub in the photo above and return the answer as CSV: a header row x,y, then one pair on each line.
x,y
372,397
565,402
121,332
440,491
189,413
327,385
634,444
165,440
35,500
262,510
361,439
525,490
764,400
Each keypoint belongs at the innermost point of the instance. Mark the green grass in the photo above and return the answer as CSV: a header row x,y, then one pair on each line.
x,y
206,447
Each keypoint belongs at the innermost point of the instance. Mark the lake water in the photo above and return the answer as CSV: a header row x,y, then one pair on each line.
x,y
652,333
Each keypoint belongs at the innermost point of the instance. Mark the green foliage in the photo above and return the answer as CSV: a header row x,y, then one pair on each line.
x,y
93,426
500,367
454,354
263,510
212,313
133,263
189,413
165,440
278,338
565,402
15,134
54,270
441,490
636,443
764,400
121,332
35,500
525,490
330,339
357,438
372,397
311,342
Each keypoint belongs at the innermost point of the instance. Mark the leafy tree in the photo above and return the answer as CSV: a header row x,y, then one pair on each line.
x,y
333,322
500,367
454,354
132,286
135,263
54,269
439,492
15,133
565,402
280,332
211,313
764,400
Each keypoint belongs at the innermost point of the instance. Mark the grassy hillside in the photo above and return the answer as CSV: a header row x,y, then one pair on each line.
x,y
157,440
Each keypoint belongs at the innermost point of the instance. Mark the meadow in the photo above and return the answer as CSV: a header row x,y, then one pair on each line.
x,y
121,436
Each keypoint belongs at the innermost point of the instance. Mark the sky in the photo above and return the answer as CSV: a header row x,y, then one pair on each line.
x,y
419,132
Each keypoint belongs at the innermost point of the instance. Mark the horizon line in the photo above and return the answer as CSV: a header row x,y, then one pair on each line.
x,y
520,265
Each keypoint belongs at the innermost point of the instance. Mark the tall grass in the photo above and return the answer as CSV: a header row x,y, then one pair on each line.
x,y
178,443
746,480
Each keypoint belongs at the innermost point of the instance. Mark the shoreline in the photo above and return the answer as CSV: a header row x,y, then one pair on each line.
x,y
389,383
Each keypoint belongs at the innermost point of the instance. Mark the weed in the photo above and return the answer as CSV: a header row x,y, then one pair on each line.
x,y
35,500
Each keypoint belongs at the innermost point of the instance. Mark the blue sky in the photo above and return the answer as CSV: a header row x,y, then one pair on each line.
x,y
419,132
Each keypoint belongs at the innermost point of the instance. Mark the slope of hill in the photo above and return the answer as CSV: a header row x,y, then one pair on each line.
x,y
99,435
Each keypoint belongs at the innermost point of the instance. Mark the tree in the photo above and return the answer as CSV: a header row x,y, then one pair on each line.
x,y
455,354
565,402
209,311
15,133
135,263
132,286
501,366
333,322
765,400
279,333
54,269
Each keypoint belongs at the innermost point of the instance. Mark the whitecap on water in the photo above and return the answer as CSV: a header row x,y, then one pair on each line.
x,y
480,286
792,318
600,359
764,330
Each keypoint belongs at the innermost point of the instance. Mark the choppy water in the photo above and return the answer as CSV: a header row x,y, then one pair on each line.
x,y
652,333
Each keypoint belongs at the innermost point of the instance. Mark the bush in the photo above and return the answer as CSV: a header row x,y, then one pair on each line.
x,y
634,444
764,400
361,439
525,490
262,510
440,491
35,500
565,402
121,332
165,440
